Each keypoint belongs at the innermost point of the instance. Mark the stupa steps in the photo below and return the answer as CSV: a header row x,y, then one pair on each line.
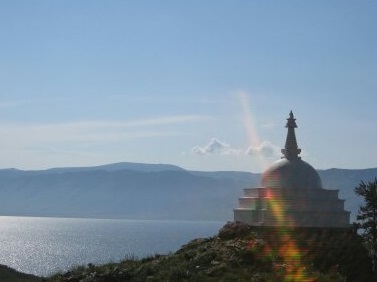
x,y
293,218
291,202
294,193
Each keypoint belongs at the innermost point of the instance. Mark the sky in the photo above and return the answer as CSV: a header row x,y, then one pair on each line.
x,y
204,85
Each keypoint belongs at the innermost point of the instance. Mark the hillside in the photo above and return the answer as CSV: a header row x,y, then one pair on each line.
x,y
10,275
243,253
152,191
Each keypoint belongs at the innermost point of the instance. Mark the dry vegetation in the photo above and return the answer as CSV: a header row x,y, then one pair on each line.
x,y
243,253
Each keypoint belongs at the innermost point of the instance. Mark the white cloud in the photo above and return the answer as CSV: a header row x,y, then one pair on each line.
x,y
50,144
215,146
99,124
265,149
21,136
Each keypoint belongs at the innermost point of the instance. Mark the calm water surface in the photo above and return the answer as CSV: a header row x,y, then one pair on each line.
x,y
43,246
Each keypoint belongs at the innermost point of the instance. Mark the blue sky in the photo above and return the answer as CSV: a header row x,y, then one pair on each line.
x,y
206,85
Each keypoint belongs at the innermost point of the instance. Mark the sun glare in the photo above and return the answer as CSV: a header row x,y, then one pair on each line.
x,y
290,264
249,124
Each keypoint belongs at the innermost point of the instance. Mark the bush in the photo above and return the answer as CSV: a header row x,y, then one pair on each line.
x,y
233,230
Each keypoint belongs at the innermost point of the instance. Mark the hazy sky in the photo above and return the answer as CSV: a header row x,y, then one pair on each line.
x,y
205,85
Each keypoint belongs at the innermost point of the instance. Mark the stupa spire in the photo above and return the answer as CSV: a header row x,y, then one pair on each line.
x,y
291,150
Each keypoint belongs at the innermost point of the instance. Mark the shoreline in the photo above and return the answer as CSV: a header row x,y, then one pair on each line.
x,y
241,252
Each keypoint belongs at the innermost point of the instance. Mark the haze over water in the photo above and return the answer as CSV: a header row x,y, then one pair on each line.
x,y
43,246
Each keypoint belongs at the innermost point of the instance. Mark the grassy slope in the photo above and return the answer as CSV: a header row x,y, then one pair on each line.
x,y
242,253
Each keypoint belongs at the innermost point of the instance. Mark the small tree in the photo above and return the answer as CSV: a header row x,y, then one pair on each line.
x,y
367,217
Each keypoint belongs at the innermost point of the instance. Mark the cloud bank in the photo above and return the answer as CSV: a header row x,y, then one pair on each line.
x,y
215,146
266,149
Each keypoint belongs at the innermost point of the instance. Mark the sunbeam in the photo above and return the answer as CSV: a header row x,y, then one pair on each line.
x,y
250,129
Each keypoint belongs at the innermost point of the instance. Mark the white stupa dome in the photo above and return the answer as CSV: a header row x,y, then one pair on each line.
x,y
291,171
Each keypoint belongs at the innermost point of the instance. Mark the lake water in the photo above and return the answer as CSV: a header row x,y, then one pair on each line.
x,y
43,246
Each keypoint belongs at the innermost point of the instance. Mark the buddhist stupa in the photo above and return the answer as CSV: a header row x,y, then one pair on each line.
x,y
291,194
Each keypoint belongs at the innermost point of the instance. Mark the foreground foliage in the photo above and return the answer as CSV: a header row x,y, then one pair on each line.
x,y
367,217
243,253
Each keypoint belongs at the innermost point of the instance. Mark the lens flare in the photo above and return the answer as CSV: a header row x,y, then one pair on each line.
x,y
293,264
249,123
290,261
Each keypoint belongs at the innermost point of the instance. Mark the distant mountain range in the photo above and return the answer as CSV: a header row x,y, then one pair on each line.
x,y
144,191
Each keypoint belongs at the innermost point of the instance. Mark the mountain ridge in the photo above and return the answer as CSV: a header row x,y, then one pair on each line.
x,y
148,191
